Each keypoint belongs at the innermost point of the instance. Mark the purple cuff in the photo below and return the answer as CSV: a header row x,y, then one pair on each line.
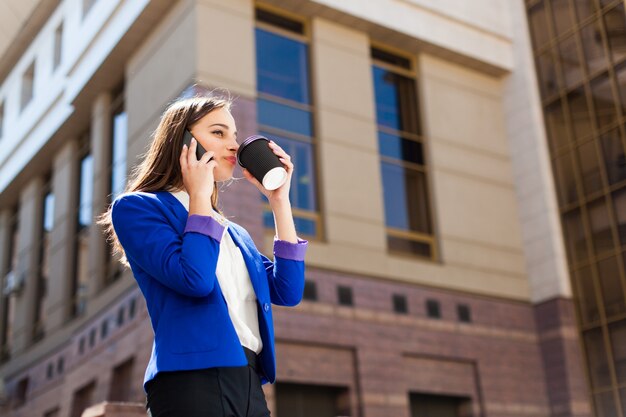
x,y
288,250
205,225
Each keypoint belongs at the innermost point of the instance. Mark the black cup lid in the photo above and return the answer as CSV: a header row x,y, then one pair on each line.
x,y
246,142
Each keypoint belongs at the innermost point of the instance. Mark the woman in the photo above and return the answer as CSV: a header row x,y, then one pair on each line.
x,y
207,288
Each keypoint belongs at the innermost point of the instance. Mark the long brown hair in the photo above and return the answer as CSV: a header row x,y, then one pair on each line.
x,y
160,167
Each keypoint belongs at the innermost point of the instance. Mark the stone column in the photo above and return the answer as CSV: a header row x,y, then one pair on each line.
x,y
347,137
550,287
101,153
58,304
28,259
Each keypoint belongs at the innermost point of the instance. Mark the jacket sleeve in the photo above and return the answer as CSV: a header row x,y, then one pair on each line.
x,y
285,274
185,264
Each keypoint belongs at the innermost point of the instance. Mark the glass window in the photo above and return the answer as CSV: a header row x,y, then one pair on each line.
x,y
547,75
282,66
600,224
1,118
119,146
620,76
565,179
597,358
615,23
42,285
556,127
122,385
614,159
585,9
284,110
539,25
586,294
589,167
605,404
562,16
619,207
580,114
403,166
575,237
8,313
403,191
85,209
604,102
571,61
595,54
82,399
28,86
58,44
611,287
298,400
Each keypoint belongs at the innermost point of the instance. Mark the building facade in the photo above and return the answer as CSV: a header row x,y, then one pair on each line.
x,y
580,53
437,276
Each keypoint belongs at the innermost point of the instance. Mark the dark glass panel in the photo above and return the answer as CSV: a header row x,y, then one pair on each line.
x,y
595,54
390,58
565,180
546,64
305,226
588,303
396,101
279,21
556,126
589,168
615,23
600,225
396,147
397,244
619,207
562,16
580,114
620,75
585,9
284,117
613,153
406,198
282,67
597,358
604,101
538,25
617,333
571,61
611,287
605,404
575,236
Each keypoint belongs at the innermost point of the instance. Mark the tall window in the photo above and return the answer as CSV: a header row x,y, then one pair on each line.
x,y
58,46
121,388
84,220
119,143
28,86
403,163
300,400
42,285
285,111
8,282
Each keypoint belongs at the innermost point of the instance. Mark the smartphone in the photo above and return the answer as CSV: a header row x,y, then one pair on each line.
x,y
187,141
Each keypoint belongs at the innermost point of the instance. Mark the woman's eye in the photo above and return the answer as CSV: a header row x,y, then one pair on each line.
x,y
218,133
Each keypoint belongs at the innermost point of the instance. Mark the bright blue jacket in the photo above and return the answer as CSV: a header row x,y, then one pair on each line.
x,y
173,257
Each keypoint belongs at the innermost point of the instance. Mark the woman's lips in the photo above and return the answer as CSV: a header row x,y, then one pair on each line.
x,y
231,159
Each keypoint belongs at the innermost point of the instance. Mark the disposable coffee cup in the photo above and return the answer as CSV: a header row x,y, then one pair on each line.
x,y
255,155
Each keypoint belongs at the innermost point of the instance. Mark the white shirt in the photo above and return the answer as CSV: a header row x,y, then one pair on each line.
x,y
232,275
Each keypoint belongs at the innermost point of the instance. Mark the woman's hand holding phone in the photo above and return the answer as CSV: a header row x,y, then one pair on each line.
x,y
198,175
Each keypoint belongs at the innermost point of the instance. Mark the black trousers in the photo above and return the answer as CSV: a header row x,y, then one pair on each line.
x,y
211,392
